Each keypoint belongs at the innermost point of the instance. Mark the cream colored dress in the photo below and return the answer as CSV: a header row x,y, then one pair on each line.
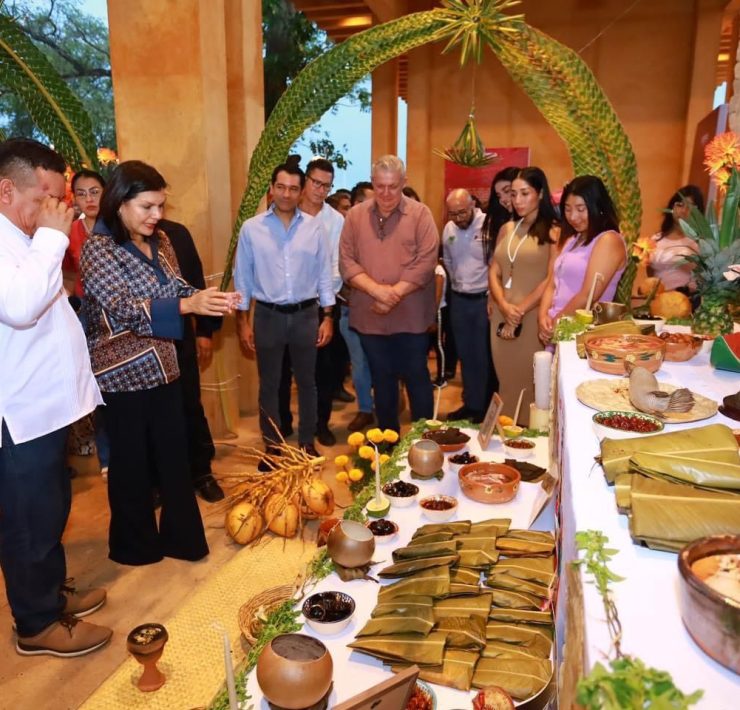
x,y
513,358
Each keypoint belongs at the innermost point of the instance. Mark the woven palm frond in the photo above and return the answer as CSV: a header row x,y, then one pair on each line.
x,y
52,106
468,150
566,93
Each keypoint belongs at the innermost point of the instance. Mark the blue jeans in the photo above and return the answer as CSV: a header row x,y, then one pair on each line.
x,y
469,319
400,356
35,498
361,378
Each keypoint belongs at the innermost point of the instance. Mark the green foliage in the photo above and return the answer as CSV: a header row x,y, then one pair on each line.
x,y
324,147
75,45
319,567
631,685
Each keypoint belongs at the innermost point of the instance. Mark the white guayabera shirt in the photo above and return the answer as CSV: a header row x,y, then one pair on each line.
x,y
46,381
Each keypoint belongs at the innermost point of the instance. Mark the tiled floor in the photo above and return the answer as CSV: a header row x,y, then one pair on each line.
x,y
135,593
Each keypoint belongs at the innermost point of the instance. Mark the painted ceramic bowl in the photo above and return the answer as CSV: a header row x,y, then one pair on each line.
x,y
294,671
425,457
489,482
350,544
615,424
438,508
711,616
328,612
609,353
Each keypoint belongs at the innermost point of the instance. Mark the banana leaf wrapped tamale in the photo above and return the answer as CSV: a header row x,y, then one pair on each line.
x,y
430,538
501,649
457,527
526,543
494,526
467,632
421,621
521,678
433,582
514,584
480,559
404,605
720,473
510,599
464,581
408,648
476,605
409,567
516,616
456,671
476,541
434,549
713,442
538,639
534,569
666,515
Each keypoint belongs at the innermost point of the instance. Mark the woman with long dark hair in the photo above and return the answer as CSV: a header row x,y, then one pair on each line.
x,y
499,210
670,246
135,302
590,244
517,277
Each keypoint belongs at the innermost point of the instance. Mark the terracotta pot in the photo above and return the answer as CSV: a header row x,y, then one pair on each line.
x,y
294,671
426,457
609,353
351,544
146,644
712,619
485,492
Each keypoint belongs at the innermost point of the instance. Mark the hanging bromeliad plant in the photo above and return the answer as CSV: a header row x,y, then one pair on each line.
x,y
556,79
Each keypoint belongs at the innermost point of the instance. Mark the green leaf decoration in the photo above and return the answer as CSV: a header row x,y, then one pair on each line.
x,y
468,150
53,107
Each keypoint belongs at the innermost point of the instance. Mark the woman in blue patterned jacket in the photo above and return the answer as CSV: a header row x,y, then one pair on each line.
x,y
135,303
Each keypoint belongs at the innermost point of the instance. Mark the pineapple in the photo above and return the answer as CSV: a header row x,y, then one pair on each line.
x,y
719,247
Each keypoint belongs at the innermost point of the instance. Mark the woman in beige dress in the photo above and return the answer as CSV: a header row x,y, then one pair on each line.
x,y
517,277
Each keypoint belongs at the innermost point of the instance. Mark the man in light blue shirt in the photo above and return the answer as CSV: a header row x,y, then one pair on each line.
x,y
283,264
464,256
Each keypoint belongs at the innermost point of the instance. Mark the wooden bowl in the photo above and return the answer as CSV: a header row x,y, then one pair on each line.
x,y
712,618
680,347
474,485
294,671
609,353
350,544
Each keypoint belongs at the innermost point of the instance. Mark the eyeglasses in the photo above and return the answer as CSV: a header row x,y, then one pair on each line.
x,y
452,214
321,185
93,192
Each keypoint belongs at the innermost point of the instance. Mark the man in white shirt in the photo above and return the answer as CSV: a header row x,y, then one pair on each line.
x,y
45,384
464,256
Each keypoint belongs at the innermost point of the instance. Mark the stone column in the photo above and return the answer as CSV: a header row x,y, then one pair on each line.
x,y
187,81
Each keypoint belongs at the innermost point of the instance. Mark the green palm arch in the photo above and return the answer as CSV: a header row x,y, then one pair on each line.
x,y
557,80
52,106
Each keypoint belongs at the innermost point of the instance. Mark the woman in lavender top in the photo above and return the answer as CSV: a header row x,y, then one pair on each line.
x,y
590,243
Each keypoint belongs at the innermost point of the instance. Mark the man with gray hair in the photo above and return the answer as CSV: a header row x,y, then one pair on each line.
x,y
464,254
387,254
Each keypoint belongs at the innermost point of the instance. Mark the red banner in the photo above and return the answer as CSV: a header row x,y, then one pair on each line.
x,y
477,181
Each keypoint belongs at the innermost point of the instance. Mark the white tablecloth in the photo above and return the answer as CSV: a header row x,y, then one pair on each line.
x,y
355,672
648,599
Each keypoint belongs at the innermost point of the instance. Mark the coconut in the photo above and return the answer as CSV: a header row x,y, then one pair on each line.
x,y
244,522
281,515
671,304
318,496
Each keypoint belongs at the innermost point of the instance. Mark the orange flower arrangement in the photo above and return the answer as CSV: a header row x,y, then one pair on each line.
x,y
721,155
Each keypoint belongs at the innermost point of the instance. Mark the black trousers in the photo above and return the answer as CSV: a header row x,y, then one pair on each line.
x,y
200,442
149,447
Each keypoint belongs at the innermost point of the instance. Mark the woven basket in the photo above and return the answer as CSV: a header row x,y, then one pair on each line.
x,y
268,600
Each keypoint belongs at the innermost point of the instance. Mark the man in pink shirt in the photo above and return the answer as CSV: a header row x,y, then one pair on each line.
x,y
387,254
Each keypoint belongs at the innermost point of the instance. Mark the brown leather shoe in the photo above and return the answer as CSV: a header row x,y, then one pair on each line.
x,y
361,421
66,638
82,603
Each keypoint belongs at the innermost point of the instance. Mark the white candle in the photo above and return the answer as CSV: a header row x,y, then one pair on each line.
x,y
378,494
542,370
230,684
589,302
436,403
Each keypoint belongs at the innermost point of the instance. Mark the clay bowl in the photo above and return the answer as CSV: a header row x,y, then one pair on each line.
x,y
329,612
426,457
712,619
474,485
609,353
683,349
447,448
294,671
350,544
146,639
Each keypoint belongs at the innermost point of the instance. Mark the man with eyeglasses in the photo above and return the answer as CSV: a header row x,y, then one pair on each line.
x,y
464,256
387,254
283,264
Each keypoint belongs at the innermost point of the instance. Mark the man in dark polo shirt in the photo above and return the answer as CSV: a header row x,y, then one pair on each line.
x,y
387,254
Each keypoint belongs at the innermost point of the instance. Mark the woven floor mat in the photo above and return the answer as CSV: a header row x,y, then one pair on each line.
x,y
193,659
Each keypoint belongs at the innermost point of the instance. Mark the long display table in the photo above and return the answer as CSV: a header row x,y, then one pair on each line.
x,y
648,598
